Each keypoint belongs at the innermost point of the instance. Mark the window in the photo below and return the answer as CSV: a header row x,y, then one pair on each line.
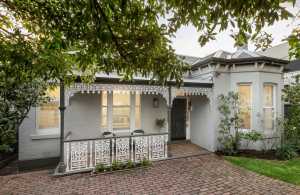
x,y
120,111
48,114
138,111
244,91
269,106
104,110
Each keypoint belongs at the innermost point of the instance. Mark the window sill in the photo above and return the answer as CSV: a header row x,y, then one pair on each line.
x,y
46,134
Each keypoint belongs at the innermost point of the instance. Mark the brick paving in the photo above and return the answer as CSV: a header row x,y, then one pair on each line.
x,y
204,174
182,149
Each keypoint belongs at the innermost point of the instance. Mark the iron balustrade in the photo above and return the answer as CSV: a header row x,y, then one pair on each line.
x,y
85,154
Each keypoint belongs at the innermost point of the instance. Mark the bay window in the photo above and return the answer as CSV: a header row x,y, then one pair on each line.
x,y
269,106
244,92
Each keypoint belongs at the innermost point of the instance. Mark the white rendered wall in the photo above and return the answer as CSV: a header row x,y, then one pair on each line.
x,y
201,129
82,119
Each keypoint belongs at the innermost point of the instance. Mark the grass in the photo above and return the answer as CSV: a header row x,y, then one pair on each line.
x,y
288,171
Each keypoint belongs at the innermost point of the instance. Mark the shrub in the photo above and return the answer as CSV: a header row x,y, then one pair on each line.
x,y
100,167
116,165
286,152
129,164
145,162
229,138
251,136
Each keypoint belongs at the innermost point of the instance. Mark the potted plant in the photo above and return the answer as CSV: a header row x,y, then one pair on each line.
x,y
160,123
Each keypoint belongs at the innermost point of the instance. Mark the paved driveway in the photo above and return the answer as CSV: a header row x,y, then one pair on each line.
x,y
206,174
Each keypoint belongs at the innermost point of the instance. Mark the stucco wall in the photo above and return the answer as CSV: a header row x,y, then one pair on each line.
x,y
30,147
82,118
150,114
202,129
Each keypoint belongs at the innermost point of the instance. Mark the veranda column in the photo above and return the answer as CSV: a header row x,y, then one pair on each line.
x,y
169,113
62,107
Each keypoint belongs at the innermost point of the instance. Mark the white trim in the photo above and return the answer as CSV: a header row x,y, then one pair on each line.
x,y
273,107
110,106
50,133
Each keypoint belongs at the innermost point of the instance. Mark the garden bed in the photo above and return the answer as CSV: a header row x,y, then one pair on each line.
x,y
121,170
120,167
270,154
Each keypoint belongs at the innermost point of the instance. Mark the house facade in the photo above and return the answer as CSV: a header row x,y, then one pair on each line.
x,y
142,118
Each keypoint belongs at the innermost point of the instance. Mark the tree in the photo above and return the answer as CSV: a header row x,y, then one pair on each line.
x,y
291,123
126,35
53,40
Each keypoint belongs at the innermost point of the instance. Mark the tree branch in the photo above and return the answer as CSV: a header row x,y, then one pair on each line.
x,y
114,38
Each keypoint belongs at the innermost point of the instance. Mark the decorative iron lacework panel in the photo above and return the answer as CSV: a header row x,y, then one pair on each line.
x,y
122,149
141,148
158,145
103,151
79,155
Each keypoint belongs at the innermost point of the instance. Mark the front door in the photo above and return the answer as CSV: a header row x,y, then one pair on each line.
x,y
178,119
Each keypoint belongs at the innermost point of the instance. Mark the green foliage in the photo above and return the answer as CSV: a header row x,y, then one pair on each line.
x,y
100,167
116,165
294,43
160,122
127,36
251,136
291,123
145,162
286,152
129,164
287,171
229,136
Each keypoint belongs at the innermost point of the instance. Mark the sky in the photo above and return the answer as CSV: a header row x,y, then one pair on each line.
x,y
186,40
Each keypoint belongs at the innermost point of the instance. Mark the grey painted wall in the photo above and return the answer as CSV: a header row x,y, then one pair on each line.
x,y
82,118
201,129
31,147
150,114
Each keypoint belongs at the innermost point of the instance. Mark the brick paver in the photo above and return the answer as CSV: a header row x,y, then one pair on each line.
x,y
205,174
176,150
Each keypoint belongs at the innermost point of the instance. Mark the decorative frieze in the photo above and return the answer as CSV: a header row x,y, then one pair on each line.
x,y
164,91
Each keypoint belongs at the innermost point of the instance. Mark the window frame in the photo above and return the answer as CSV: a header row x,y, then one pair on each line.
x,y
101,109
132,112
50,130
121,106
273,107
251,103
